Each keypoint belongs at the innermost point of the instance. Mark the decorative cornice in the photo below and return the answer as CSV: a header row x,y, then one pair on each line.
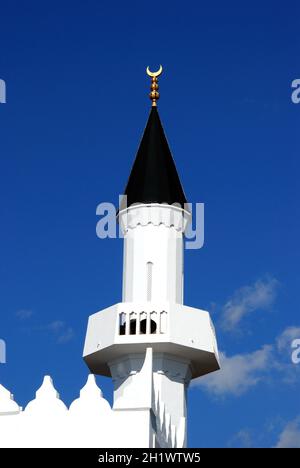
x,y
155,214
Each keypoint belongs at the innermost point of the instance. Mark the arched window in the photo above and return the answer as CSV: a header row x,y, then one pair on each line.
x,y
143,323
132,321
163,322
122,323
153,322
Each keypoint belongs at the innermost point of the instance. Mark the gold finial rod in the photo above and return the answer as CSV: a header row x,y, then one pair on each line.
x,y
154,94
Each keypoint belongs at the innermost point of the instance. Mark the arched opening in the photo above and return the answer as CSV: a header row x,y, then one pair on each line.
x,y
122,324
143,327
132,323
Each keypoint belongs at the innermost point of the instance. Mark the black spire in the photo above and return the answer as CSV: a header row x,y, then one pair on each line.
x,y
154,178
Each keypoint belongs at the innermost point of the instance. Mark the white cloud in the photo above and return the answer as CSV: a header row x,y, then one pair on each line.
x,y
24,314
58,328
248,299
62,332
238,373
66,336
242,439
241,372
55,326
290,436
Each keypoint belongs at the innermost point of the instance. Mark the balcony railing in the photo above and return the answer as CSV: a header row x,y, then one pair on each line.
x,y
143,323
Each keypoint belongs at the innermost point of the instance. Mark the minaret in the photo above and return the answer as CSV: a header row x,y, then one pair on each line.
x,y
151,344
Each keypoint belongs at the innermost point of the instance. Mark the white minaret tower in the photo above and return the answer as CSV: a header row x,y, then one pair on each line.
x,y
151,344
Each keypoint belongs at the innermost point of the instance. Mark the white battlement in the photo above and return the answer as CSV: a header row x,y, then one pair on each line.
x,y
88,422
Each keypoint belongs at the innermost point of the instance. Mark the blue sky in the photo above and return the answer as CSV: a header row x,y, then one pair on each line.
x,y
76,108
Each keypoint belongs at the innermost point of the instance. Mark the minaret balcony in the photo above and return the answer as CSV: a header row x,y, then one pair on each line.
x,y
171,328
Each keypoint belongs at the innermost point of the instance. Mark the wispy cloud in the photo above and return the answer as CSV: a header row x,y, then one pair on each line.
x,y
24,314
238,373
241,439
290,436
56,326
60,330
247,300
66,336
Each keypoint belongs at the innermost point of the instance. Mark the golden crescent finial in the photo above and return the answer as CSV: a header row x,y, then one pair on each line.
x,y
157,73
154,94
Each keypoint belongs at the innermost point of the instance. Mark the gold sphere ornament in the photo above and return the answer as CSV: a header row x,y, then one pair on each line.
x,y
154,95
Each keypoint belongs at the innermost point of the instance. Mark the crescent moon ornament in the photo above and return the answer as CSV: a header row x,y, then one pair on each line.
x,y
154,74
154,94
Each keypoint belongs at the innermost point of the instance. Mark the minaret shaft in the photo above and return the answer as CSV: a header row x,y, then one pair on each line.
x,y
153,255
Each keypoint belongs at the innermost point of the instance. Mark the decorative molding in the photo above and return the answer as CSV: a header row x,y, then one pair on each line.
x,y
155,214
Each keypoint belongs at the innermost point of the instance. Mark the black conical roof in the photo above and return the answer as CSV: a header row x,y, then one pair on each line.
x,y
154,178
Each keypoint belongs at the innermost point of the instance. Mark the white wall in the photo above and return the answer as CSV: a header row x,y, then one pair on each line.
x,y
89,422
